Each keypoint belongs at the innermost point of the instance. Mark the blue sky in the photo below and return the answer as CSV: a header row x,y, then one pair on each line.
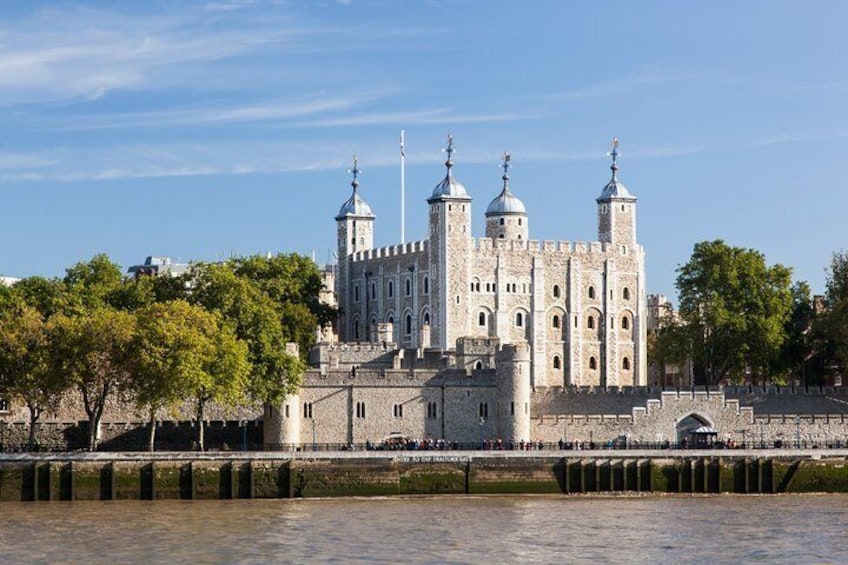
x,y
203,129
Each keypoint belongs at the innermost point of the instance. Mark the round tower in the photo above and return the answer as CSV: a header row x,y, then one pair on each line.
x,y
355,228
512,374
506,217
281,424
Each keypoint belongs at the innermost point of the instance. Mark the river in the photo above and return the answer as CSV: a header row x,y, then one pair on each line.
x,y
710,529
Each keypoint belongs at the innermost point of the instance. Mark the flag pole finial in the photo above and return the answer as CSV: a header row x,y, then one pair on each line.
x,y
614,155
505,165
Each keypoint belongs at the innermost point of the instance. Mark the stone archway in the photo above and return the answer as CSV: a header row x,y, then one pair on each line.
x,y
685,426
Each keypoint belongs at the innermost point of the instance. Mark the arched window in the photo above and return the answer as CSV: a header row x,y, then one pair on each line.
x,y
426,318
625,323
408,325
625,364
478,365
591,292
426,285
625,293
557,363
555,321
481,319
519,320
408,287
593,363
390,290
556,291
390,319
590,322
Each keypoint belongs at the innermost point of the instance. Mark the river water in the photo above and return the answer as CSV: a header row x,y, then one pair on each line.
x,y
712,529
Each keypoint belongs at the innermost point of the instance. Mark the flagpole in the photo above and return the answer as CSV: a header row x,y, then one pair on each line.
x,y
402,191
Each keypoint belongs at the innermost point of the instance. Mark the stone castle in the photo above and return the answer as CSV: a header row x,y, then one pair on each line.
x,y
454,336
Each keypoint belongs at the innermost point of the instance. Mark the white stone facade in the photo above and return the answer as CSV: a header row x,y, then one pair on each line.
x,y
580,306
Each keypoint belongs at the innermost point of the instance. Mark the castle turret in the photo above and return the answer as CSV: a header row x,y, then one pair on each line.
x,y
512,372
450,246
506,217
355,228
616,209
281,424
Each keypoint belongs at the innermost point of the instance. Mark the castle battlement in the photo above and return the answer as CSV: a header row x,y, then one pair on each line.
x,y
391,251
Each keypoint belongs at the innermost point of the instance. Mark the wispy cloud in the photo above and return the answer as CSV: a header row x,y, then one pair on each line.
x,y
432,116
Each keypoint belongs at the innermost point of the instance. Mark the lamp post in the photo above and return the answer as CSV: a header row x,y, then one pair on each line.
x,y
482,423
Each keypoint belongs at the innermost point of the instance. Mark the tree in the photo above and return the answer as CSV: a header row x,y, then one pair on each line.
x,y
94,351
734,307
185,351
669,344
830,327
25,370
92,284
257,320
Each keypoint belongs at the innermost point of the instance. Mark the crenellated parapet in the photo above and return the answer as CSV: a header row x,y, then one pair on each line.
x,y
402,249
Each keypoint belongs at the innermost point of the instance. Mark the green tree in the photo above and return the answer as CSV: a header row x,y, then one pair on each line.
x,y
257,320
25,368
735,308
94,350
186,352
830,327
92,284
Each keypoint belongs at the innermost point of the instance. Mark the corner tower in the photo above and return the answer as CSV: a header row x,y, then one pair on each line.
x,y
616,208
355,229
506,217
450,248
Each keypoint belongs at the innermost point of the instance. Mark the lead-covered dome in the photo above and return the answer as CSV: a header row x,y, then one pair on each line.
x,y
449,188
355,205
615,189
505,203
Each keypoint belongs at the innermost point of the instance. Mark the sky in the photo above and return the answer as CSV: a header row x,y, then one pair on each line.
x,y
202,130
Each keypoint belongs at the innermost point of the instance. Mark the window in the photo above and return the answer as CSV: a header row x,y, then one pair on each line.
x,y
625,293
426,285
360,409
408,325
307,409
557,362
356,293
478,365
397,410
519,221
512,408
591,292
593,363
426,318
356,330
390,319
390,291
519,320
501,222
484,410
556,291
373,291
555,321
625,323
625,364
481,319
590,322
408,289
501,236
287,410
432,411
